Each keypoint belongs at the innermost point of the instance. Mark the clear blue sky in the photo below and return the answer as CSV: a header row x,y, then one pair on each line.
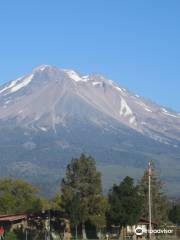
x,y
136,43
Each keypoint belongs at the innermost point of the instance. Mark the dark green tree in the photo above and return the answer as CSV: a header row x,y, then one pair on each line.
x,y
160,206
125,203
17,196
174,214
81,189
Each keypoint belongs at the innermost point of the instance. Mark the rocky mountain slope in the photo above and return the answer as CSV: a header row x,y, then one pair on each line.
x,y
51,115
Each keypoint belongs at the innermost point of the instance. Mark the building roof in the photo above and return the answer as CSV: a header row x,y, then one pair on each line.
x,y
142,221
12,218
145,221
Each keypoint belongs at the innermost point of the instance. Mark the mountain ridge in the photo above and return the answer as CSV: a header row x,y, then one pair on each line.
x,y
59,113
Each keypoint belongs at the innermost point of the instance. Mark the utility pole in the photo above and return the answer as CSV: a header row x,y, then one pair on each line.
x,y
26,234
49,227
47,233
76,231
150,216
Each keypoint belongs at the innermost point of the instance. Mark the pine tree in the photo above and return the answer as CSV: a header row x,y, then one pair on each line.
x,y
81,189
125,203
174,214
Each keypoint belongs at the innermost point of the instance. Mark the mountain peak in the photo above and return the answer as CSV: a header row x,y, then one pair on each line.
x,y
72,74
51,114
43,67
76,76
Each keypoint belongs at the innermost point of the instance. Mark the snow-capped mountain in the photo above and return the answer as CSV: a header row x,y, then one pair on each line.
x,y
58,113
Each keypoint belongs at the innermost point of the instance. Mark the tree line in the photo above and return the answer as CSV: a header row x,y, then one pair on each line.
x,y
81,198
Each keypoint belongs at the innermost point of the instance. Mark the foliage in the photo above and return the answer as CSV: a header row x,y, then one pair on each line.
x,y
99,218
125,203
17,196
55,203
11,236
174,214
158,199
81,188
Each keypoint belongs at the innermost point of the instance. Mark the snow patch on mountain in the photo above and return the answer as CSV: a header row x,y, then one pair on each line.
x,y
41,68
97,83
123,91
169,114
22,84
148,110
75,76
43,129
86,77
111,82
132,120
119,89
12,84
145,107
125,110
164,110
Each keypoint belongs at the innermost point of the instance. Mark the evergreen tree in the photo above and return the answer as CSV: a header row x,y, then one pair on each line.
x,y
81,189
125,203
174,214
158,199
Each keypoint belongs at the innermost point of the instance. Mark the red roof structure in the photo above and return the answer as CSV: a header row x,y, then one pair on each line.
x,y
12,218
